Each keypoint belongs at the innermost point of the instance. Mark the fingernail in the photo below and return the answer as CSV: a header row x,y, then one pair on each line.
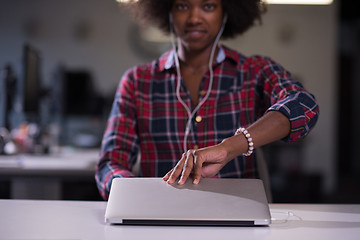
x,y
196,181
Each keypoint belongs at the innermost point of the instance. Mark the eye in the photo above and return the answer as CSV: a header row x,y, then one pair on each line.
x,y
181,6
209,6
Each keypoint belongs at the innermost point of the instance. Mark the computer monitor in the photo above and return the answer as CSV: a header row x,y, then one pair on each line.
x,y
8,87
31,81
80,97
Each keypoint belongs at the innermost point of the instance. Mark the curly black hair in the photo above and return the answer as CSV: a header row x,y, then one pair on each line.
x,y
242,14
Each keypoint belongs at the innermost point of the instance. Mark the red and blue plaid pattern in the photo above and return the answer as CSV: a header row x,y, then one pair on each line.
x,y
148,121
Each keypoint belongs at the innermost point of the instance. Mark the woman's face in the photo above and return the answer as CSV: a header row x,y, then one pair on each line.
x,y
197,22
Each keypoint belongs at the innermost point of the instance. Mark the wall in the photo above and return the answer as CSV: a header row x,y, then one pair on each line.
x,y
96,35
303,40
88,34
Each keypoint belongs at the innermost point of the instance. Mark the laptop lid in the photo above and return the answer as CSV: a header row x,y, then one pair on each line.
x,y
213,202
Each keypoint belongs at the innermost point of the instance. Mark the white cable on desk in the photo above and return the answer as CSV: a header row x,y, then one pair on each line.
x,y
288,215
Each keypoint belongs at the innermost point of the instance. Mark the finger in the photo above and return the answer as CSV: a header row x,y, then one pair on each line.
x,y
167,175
197,169
188,167
176,171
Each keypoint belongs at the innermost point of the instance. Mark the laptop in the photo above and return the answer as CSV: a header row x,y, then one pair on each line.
x,y
212,202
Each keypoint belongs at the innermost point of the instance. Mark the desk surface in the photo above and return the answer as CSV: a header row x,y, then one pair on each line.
x,y
68,162
27,219
35,176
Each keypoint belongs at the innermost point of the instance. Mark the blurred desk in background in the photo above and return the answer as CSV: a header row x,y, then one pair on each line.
x,y
43,176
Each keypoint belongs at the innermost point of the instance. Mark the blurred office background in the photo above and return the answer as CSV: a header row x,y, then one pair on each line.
x,y
80,48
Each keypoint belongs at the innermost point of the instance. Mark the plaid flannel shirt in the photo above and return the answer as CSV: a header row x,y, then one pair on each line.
x,y
147,122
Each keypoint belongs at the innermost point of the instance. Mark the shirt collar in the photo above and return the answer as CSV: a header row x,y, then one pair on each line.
x,y
167,60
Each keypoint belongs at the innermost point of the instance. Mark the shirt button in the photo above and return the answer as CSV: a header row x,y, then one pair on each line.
x,y
198,119
202,92
196,146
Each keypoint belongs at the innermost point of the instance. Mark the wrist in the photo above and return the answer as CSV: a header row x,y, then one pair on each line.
x,y
248,137
234,146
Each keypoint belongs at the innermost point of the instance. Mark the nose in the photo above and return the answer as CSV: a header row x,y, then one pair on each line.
x,y
194,16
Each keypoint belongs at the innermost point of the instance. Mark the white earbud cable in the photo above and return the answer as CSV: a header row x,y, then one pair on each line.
x,y
177,64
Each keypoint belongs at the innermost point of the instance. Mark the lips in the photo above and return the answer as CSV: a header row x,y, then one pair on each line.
x,y
195,33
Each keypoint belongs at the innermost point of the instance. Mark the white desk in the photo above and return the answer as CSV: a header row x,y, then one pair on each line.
x,y
36,219
40,176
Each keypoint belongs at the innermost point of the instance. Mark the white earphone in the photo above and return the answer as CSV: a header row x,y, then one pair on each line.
x,y
190,113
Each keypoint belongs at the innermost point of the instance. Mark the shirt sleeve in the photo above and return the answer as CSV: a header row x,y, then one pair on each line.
x,y
120,146
289,97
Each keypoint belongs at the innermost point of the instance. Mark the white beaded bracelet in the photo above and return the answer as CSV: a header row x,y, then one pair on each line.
x,y
248,138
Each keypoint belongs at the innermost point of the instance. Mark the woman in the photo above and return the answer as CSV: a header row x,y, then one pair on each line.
x,y
188,104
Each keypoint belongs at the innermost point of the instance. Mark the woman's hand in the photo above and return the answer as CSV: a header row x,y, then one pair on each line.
x,y
204,162
207,162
